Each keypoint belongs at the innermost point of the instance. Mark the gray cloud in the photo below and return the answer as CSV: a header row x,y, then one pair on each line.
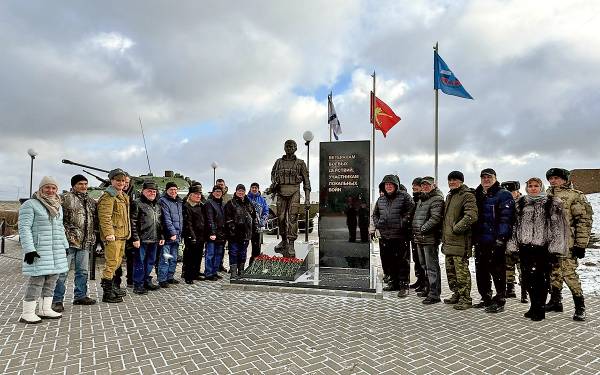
x,y
217,81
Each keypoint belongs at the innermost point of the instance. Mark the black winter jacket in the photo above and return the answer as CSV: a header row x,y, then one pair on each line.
x,y
240,219
391,215
194,223
215,218
427,221
146,223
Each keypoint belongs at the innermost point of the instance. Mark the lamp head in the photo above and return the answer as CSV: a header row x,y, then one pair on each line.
x,y
32,153
214,165
308,136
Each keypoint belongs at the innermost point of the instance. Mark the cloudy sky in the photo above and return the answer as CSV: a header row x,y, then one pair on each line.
x,y
231,81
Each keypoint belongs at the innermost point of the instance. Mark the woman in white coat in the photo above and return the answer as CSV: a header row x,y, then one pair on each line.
x,y
44,245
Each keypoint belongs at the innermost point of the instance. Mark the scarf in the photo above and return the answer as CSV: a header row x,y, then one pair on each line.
x,y
50,202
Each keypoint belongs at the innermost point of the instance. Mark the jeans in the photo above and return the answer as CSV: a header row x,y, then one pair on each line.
x,y
430,265
238,252
143,263
166,267
40,286
81,260
213,257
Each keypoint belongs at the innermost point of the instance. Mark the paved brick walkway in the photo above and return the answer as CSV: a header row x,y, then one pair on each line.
x,y
203,329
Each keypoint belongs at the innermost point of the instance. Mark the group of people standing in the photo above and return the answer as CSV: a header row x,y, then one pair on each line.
x,y
56,231
544,231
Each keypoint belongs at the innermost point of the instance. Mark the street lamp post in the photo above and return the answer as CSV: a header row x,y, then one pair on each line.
x,y
214,166
33,154
308,137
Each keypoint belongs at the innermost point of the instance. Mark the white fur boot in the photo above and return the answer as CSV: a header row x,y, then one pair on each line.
x,y
45,311
28,316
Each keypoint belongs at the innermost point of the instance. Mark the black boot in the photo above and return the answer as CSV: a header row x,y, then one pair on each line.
x,y
579,309
510,290
109,295
234,272
240,269
555,303
117,288
523,295
404,288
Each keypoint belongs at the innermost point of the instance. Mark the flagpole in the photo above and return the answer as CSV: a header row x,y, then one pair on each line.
x,y
329,100
373,140
436,118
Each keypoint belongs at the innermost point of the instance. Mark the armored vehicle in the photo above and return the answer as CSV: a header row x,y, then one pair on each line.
x,y
136,183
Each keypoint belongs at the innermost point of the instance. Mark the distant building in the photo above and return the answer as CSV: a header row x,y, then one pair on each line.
x,y
586,180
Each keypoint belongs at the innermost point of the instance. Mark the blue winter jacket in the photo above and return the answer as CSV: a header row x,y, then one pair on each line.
x,y
261,207
496,215
38,232
172,213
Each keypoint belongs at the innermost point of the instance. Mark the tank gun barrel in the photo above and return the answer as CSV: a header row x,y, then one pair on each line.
x,y
103,180
66,161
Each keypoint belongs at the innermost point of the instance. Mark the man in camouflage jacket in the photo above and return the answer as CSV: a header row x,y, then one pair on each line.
x,y
80,222
578,214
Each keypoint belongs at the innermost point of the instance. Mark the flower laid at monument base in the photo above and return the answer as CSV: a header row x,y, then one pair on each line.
x,y
274,268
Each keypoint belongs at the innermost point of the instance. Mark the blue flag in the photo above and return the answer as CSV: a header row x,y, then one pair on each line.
x,y
445,80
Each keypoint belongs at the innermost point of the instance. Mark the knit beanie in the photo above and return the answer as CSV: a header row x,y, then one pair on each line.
x,y
48,180
78,177
240,187
417,181
456,175
170,184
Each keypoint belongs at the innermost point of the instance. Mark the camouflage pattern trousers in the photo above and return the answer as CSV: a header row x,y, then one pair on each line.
x,y
512,260
287,215
459,277
566,269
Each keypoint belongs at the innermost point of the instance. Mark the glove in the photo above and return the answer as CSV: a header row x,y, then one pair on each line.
x,y
579,252
30,257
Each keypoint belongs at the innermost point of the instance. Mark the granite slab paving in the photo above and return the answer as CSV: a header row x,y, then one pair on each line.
x,y
208,329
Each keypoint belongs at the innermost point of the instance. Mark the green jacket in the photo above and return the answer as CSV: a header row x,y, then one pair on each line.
x,y
460,212
578,214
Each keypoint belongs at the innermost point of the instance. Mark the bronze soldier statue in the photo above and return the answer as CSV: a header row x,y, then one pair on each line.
x,y
286,176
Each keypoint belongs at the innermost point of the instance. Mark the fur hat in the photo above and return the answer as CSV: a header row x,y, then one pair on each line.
x,y
511,185
456,175
558,172
78,177
48,180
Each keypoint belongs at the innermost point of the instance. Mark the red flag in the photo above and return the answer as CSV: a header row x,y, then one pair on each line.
x,y
384,118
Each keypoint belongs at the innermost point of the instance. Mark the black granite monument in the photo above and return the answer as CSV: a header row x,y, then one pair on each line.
x,y
344,245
